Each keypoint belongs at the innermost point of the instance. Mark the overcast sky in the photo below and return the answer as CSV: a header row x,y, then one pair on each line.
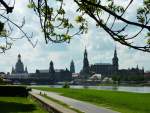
x,y
99,45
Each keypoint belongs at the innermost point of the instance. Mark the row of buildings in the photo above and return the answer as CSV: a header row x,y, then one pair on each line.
x,y
52,75
19,74
110,69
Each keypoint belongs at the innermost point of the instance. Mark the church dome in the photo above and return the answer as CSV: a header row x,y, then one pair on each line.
x,y
19,56
19,65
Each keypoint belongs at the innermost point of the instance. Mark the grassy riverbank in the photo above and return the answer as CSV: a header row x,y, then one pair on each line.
x,y
19,105
124,102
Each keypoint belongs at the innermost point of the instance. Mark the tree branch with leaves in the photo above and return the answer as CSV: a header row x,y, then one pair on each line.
x,y
55,25
8,27
96,9
116,12
107,14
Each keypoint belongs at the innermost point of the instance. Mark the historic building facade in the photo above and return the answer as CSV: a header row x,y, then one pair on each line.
x,y
109,69
106,69
85,72
47,76
53,75
19,67
132,74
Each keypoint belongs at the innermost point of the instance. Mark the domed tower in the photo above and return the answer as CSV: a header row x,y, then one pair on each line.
x,y
19,65
115,61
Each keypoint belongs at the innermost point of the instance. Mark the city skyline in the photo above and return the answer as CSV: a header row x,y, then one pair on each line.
x,y
73,56
68,67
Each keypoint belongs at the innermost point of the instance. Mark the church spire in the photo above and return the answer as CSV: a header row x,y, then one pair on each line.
x,y
85,61
13,70
19,57
85,72
85,53
115,60
115,52
51,67
72,67
26,70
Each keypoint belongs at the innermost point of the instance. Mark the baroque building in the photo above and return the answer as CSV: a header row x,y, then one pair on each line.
x,y
132,74
52,75
85,72
109,69
19,67
45,76
106,69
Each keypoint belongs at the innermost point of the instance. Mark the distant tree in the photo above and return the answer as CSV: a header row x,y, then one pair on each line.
x,y
66,85
58,28
1,81
116,79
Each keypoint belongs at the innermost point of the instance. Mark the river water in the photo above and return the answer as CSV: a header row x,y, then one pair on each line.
x,y
118,88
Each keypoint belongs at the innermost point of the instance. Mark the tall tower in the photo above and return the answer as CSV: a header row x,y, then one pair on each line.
x,y
52,72
51,67
85,63
85,72
85,60
19,65
115,61
13,70
72,67
26,70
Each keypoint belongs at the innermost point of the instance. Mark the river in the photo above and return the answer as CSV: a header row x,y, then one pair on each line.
x,y
118,88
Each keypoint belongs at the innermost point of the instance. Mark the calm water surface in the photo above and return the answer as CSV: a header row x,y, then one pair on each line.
x,y
119,88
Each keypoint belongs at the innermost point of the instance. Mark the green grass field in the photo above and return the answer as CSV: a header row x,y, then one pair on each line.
x,y
124,102
19,105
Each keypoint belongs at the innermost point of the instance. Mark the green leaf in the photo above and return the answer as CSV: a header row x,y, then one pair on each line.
x,y
148,41
66,37
141,19
79,19
65,23
61,11
148,34
31,5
